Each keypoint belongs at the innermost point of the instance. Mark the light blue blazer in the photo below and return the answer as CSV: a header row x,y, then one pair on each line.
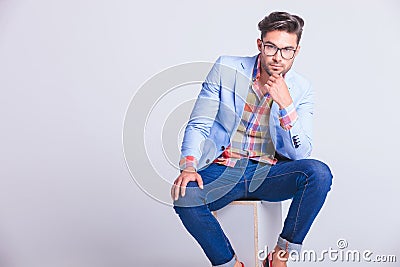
x,y
218,110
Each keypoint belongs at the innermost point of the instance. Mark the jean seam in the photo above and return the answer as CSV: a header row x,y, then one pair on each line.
x,y
282,174
245,187
298,209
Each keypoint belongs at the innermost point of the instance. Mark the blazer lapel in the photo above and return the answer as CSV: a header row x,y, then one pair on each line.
x,y
242,82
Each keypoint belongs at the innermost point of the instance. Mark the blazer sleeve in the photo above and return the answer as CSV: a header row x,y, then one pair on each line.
x,y
203,114
297,142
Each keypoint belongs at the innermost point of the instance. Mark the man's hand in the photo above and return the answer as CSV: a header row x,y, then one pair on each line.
x,y
187,175
278,90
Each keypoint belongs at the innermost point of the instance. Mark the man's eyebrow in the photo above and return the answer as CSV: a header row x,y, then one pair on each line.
x,y
287,47
269,42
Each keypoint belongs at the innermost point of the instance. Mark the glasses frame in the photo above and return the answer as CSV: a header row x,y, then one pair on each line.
x,y
280,50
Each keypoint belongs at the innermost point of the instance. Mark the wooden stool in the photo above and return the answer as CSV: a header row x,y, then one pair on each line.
x,y
251,226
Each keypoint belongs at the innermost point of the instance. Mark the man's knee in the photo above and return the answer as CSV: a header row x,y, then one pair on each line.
x,y
194,197
320,172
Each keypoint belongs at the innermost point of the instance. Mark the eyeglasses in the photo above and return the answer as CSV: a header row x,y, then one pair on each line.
x,y
271,50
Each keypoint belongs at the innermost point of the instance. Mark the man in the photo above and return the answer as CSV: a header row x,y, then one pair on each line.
x,y
248,137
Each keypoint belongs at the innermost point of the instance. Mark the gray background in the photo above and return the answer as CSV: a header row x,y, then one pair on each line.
x,y
68,70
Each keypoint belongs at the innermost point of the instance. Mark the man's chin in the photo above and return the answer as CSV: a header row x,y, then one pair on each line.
x,y
271,72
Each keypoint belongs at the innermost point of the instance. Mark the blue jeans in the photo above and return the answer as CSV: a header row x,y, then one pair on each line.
x,y
306,181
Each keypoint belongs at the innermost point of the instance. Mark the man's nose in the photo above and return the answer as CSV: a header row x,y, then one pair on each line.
x,y
277,57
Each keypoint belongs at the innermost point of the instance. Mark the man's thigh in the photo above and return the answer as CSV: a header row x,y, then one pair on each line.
x,y
220,183
280,181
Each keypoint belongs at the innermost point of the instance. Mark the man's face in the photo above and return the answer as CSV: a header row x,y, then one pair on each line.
x,y
276,63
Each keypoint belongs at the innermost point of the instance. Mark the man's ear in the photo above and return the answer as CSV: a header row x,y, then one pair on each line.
x,y
297,50
259,44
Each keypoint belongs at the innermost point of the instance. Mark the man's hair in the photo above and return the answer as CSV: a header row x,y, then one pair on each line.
x,y
281,21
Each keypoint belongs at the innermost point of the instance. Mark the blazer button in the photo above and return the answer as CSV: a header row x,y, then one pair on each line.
x,y
208,161
222,148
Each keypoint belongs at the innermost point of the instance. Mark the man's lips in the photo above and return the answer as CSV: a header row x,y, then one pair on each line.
x,y
276,66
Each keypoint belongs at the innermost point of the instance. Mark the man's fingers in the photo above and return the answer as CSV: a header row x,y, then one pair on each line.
x,y
275,77
172,192
177,188
199,181
180,184
186,180
183,186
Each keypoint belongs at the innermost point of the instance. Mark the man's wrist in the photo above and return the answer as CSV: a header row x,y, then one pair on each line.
x,y
188,162
189,169
285,105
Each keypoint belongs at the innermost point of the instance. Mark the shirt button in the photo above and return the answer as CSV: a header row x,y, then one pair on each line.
x,y
222,148
208,161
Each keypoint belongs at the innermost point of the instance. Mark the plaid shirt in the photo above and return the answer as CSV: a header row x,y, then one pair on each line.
x,y
252,138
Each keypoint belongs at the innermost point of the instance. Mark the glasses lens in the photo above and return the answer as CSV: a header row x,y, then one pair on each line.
x,y
270,50
287,53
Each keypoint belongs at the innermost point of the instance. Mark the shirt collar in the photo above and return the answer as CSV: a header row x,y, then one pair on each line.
x,y
256,69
